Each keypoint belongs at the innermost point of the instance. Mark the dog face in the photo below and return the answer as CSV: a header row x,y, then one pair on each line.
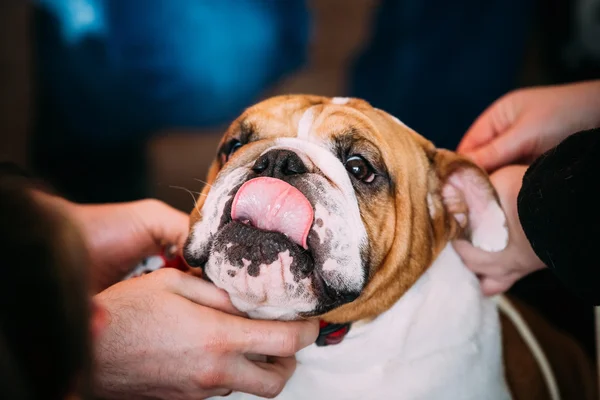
x,y
332,208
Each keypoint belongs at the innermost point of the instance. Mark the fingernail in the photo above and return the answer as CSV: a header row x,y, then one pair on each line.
x,y
309,336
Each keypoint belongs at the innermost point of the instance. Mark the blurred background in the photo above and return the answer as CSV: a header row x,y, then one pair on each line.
x,y
115,100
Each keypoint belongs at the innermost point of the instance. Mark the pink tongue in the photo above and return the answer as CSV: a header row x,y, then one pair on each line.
x,y
274,205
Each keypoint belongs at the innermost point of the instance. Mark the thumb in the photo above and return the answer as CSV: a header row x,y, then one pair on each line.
x,y
194,289
480,133
493,286
162,224
497,153
275,338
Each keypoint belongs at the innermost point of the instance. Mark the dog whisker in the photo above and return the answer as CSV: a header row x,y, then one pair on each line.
x,y
204,182
190,192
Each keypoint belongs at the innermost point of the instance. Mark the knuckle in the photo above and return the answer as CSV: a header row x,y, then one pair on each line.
x,y
211,377
152,203
217,344
289,343
167,276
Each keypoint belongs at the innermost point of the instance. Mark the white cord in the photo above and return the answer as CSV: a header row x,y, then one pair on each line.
x,y
506,307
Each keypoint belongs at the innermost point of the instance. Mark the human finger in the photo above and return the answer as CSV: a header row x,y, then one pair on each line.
x,y
194,289
164,224
263,379
480,133
493,286
275,338
477,260
499,152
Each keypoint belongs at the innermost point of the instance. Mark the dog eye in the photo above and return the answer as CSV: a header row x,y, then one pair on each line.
x,y
234,146
360,169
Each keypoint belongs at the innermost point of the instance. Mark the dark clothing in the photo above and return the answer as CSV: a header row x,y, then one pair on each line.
x,y
559,210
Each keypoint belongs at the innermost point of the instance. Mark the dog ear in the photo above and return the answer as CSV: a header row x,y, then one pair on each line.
x,y
461,199
471,203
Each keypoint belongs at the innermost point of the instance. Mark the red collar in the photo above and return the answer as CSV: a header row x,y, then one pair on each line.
x,y
330,334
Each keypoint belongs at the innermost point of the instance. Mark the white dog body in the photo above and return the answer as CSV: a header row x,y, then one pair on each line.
x,y
441,340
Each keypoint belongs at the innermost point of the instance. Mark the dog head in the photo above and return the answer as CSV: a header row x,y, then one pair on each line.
x,y
332,208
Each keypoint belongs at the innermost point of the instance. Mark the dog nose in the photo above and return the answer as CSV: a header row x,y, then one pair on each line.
x,y
279,163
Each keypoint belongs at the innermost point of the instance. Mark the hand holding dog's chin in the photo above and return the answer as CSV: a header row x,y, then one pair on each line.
x,y
170,335
499,271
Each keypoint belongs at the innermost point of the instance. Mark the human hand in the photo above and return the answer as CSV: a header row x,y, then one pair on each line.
x,y
499,271
173,336
119,236
525,123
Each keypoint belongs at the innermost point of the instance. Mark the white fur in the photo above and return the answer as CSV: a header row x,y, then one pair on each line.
x,y
321,231
345,224
340,100
431,205
148,265
270,287
461,218
400,122
328,163
491,234
305,123
396,120
344,264
441,340
213,208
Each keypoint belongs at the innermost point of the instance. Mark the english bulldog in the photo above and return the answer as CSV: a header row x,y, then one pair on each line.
x,y
330,208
